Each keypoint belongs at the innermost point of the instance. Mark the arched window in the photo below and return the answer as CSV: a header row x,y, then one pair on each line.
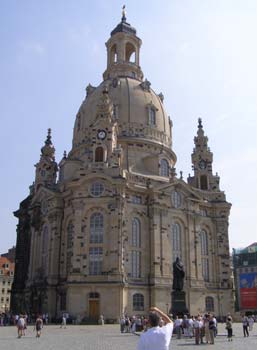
x,y
135,264
130,53
138,302
204,253
203,182
209,304
96,228
45,239
176,241
152,116
204,242
99,154
164,168
136,233
70,237
114,54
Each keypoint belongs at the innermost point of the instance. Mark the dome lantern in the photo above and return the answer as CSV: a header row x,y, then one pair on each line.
x,y
123,50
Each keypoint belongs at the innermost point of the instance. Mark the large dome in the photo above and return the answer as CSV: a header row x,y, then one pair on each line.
x,y
143,130
133,102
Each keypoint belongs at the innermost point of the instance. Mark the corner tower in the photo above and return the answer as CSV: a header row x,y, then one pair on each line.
x,y
202,159
46,168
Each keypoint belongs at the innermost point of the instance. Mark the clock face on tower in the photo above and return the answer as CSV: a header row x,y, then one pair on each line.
x,y
101,134
202,164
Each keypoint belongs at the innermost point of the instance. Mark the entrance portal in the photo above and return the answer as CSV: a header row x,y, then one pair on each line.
x,y
94,306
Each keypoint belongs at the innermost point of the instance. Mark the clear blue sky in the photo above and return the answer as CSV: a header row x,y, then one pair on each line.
x,y
201,54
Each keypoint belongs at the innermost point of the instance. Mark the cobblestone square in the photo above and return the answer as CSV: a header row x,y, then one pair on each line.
x,y
108,337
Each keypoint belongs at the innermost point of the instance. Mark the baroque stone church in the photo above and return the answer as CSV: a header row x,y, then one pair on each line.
x,y
99,231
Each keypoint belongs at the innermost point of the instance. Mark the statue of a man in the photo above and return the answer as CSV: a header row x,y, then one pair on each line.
x,y
178,275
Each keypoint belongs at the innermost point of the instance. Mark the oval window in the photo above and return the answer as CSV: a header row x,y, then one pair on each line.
x,y
97,189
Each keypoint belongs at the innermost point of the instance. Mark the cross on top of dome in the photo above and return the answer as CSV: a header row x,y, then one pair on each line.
x,y
123,26
123,18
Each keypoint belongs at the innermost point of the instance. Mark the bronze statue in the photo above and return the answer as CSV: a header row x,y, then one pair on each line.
x,y
178,275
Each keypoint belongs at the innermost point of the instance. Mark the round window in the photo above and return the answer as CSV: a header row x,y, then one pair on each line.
x,y
97,189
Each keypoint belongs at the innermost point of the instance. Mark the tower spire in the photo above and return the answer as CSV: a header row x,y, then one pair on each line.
x,y
200,125
46,168
202,159
48,140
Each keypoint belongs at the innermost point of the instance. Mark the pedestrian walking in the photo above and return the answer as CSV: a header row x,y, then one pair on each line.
x,y
38,326
101,320
190,327
178,326
251,322
185,326
122,324
63,324
156,337
20,326
245,323
229,328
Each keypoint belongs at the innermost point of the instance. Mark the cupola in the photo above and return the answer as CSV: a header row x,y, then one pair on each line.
x,y
123,49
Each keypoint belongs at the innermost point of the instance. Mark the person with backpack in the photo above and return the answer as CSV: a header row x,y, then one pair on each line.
x,y
38,326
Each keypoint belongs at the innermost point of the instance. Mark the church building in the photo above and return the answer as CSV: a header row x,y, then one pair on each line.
x,y
99,232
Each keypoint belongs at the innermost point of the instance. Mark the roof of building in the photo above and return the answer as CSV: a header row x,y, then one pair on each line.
x,y
6,266
252,248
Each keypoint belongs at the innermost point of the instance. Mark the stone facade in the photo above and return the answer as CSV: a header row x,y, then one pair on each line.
x,y
6,280
103,237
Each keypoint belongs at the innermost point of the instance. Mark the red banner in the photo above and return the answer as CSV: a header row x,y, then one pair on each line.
x,y
248,298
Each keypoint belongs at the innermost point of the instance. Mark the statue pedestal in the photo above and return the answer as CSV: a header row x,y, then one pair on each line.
x,y
178,303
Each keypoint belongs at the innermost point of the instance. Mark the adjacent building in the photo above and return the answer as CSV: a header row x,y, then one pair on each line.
x,y
6,280
10,255
245,275
99,232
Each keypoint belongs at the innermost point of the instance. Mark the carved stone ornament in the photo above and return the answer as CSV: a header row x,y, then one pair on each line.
x,y
90,89
145,85
161,96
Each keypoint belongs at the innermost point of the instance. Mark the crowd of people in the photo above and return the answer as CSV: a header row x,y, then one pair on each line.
x,y
203,329
8,319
